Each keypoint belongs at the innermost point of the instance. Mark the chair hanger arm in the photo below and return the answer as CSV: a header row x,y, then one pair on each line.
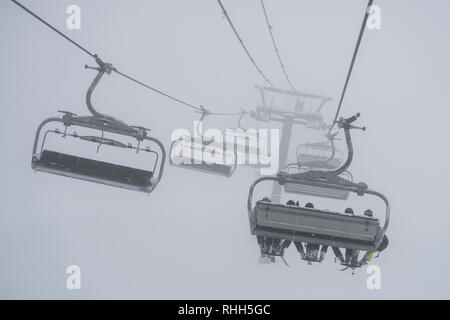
x,y
38,131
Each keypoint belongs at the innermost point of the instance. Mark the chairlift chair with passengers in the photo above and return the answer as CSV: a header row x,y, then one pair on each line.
x,y
280,225
108,173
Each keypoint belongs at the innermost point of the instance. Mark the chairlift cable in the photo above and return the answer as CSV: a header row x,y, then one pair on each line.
x,y
198,108
157,91
225,13
227,114
277,51
54,29
355,53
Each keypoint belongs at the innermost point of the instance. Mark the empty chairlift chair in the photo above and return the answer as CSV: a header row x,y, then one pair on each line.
x,y
189,153
320,177
47,160
202,154
319,156
277,104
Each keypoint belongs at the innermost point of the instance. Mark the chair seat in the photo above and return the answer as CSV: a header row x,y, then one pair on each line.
x,y
93,170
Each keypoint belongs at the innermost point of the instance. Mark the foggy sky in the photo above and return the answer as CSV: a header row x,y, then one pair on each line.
x,y
190,239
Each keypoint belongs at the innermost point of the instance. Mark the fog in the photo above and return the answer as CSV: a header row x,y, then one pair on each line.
x,y
190,239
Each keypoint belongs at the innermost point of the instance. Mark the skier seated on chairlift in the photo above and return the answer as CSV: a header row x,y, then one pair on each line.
x,y
352,255
312,249
271,247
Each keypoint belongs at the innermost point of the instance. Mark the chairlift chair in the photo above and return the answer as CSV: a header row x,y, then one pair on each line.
x,y
316,226
187,152
319,156
278,104
108,173
317,176
322,227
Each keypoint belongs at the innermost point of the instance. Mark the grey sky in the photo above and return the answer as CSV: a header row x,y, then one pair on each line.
x,y
190,238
